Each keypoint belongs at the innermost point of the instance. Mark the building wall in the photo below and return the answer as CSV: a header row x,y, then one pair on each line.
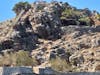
x,y
81,73
15,70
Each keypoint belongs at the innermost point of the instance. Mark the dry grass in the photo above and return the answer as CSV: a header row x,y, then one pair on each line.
x,y
20,58
60,65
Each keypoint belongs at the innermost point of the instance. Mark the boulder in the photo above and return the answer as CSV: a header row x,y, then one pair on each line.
x,y
95,42
60,51
76,59
52,55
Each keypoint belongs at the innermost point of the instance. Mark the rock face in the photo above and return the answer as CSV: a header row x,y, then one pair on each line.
x,y
34,24
46,22
81,49
46,37
19,38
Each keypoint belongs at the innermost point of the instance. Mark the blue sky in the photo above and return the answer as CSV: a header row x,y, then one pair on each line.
x,y
7,5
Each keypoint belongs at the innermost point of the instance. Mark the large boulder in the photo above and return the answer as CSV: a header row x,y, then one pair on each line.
x,y
46,22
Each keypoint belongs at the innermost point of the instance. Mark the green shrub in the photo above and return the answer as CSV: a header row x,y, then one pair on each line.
x,y
85,19
70,14
40,7
98,17
21,6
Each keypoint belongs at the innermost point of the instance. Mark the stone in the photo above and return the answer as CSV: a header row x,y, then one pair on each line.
x,y
52,55
83,46
76,60
95,42
76,34
60,51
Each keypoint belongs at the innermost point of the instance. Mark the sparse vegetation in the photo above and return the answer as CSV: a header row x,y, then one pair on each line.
x,y
71,14
97,17
60,65
86,20
23,59
20,58
55,34
21,6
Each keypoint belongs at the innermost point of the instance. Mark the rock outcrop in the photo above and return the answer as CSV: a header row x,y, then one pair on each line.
x,y
47,37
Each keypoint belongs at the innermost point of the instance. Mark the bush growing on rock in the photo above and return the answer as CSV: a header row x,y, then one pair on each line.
x,y
97,17
85,21
70,14
21,6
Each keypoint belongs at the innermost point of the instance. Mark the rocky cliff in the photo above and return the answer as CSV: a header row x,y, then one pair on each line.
x,y
47,36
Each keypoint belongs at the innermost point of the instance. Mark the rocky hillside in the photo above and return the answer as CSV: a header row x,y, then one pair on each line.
x,y
53,31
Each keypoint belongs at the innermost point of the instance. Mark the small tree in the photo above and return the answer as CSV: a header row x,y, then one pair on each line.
x,y
21,6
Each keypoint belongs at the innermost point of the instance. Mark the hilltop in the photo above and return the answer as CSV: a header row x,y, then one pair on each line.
x,y
51,33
